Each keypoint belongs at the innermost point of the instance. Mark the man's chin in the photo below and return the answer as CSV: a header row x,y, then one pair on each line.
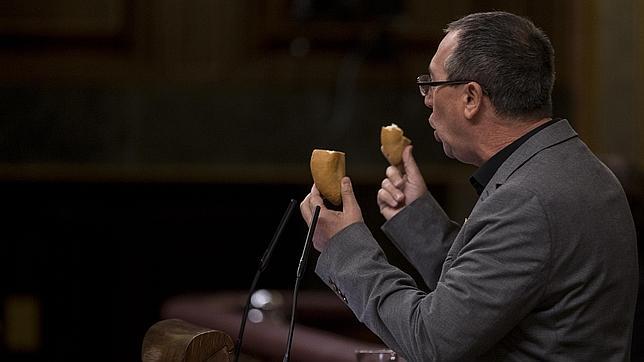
x,y
448,151
446,148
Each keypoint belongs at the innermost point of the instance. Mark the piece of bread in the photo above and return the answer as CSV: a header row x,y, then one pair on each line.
x,y
328,169
393,143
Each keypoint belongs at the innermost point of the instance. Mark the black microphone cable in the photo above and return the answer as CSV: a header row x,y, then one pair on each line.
x,y
300,272
263,263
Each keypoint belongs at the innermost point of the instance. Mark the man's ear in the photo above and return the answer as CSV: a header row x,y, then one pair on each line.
x,y
473,97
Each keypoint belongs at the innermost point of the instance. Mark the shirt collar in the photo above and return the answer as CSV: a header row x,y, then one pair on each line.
x,y
484,174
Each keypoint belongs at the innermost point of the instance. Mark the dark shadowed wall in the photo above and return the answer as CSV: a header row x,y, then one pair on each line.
x,y
148,148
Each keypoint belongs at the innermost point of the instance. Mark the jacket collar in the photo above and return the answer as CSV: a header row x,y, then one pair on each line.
x,y
548,137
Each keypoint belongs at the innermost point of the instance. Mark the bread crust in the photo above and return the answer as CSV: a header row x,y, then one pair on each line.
x,y
328,169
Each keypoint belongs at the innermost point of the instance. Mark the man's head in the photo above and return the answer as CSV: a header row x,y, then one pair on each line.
x,y
501,69
509,57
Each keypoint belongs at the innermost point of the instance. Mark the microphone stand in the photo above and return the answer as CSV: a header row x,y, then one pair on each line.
x,y
262,266
300,272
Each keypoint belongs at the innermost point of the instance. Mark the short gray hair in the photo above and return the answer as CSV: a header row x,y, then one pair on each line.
x,y
509,57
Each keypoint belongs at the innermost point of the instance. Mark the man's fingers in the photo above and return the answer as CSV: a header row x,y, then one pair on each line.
x,y
386,199
305,209
394,175
316,198
411,168
309,203
315,191
395,192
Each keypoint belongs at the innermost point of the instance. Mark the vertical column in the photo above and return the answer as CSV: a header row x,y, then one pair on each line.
x,y
639,76
580,71
618,128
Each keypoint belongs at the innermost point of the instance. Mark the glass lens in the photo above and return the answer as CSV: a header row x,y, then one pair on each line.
x,y
424,88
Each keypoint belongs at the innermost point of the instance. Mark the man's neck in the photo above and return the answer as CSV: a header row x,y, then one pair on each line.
x,y
499,133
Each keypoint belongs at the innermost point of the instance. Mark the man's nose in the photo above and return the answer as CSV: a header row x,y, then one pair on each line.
x,y
428,100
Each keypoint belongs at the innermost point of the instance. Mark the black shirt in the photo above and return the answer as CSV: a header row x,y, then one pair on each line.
x,y
484,174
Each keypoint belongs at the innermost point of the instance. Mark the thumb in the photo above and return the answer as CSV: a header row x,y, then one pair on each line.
x,y
411,168
349,202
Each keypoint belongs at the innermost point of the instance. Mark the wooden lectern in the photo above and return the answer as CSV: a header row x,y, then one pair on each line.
x,y
317,338
174,340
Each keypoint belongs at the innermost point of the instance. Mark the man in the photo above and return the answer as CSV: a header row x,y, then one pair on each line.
x,y
544,267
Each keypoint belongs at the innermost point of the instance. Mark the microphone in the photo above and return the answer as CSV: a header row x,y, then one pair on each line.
x,y
300,272
263,263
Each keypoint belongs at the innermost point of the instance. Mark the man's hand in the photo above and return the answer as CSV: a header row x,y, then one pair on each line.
x,y
330,222
400,188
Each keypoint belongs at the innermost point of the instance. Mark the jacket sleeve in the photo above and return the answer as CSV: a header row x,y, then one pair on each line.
x,y
423,233
494,278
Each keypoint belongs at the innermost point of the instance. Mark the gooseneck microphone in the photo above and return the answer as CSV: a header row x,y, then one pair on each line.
x,y
300,272
263,263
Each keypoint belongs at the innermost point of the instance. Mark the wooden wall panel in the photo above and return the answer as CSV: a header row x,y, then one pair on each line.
x,y
62,18
639,74
188,72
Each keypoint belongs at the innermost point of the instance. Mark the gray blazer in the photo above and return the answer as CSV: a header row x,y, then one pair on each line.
x,y
544,268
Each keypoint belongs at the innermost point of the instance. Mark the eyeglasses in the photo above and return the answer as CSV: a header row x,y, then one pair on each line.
x,y
425,83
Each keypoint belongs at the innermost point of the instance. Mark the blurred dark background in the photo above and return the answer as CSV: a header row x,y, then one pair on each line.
x,y
149,147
